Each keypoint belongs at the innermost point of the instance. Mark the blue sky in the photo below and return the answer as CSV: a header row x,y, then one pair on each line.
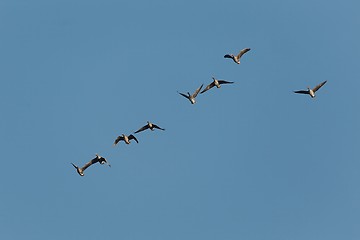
x,y
251,160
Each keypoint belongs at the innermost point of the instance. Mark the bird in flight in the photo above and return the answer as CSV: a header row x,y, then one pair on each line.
x,y
149,125
237,57
310,91
193,96
125,138
215,82
98,158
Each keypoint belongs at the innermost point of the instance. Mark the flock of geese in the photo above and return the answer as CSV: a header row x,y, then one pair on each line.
x,y
122,137
192,99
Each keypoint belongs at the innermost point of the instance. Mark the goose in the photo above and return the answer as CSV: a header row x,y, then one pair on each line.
x,y
216,83
193,96
310,91
98,158
125,138
149,125
237,58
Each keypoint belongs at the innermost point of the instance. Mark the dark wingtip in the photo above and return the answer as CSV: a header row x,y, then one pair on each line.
x,y
74,165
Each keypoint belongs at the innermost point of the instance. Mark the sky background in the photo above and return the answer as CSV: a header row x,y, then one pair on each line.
x,y
251,160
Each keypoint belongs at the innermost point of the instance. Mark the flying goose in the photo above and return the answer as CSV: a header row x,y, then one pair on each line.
x,y
216,83
125,138
193,96
311,92
98,158
237,58
149,125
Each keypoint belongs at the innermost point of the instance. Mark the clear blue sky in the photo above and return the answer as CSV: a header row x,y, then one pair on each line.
x,y
250,161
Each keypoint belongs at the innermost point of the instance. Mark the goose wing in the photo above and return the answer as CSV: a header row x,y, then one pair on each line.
x,y
133,137
228,56
319,86
91,162
212,84
242,52
143,128
302,91
156,126
224,82
118,139
197,91
184,95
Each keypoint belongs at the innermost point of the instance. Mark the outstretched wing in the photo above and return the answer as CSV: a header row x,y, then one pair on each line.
x,y
91,162
242,52
118,139
319,86
197,91
208,87
302,91
156,126
228,56
183,95
224,82
133,137
143,128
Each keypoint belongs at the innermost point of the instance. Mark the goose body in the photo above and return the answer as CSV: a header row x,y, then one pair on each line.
x,y
215,82
236,58
150,126
310,91
193,96
125,138
98,159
